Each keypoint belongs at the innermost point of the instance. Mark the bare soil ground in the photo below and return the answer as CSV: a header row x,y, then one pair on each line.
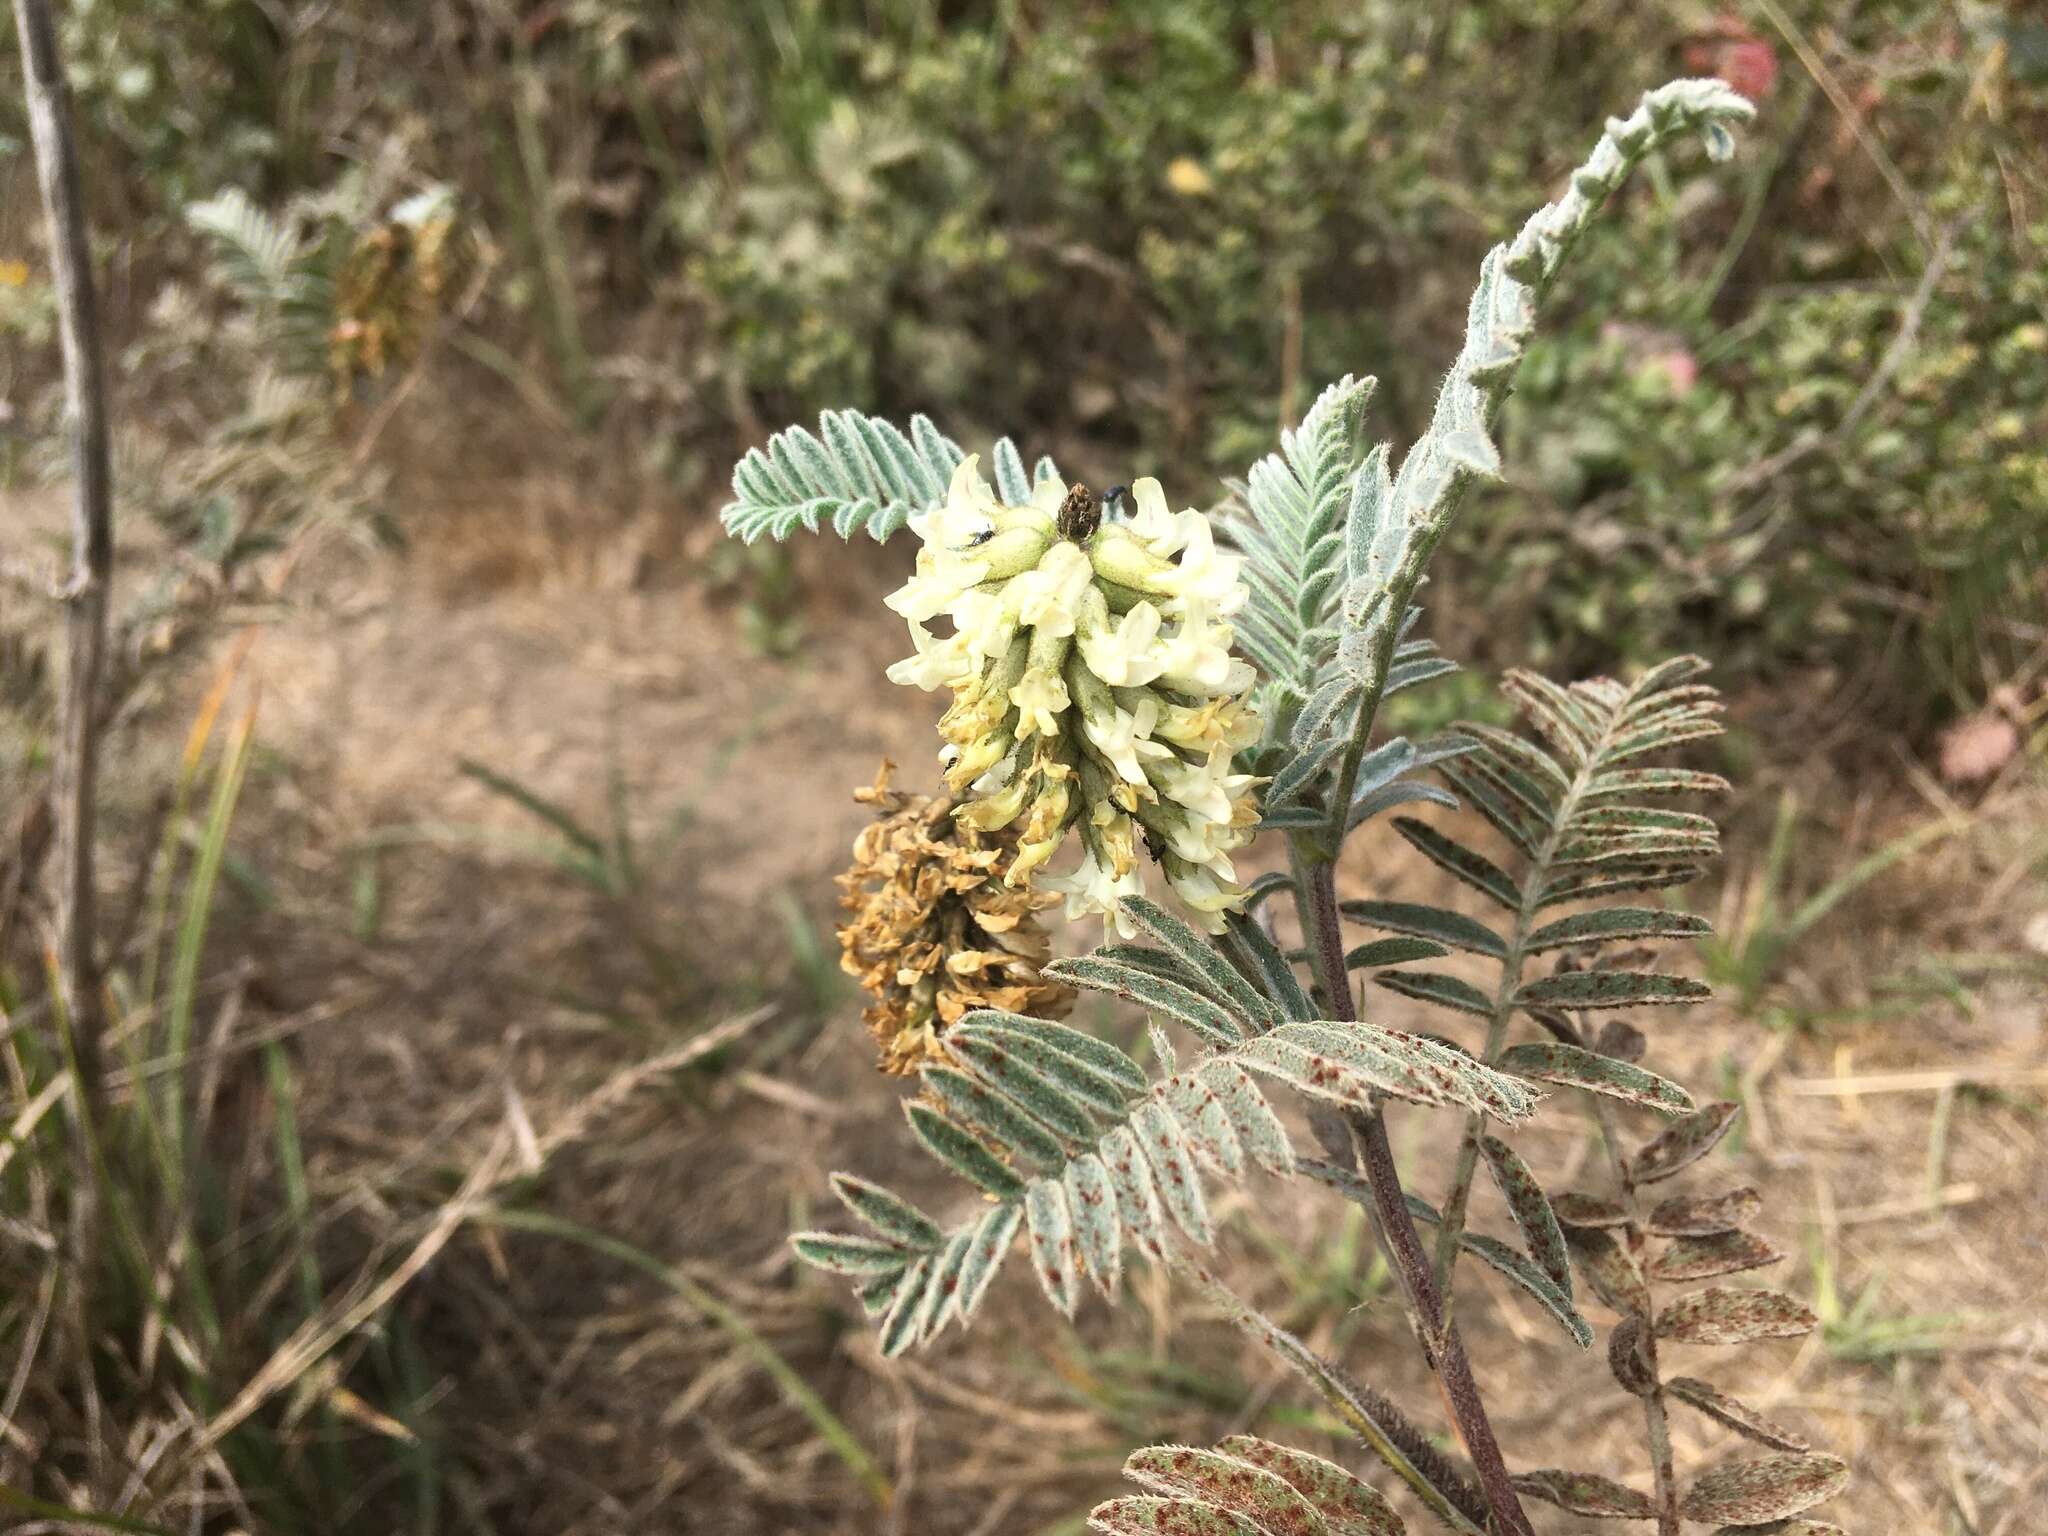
x,y
440,982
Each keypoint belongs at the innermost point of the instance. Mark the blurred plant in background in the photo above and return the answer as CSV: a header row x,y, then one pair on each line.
x,y
1152,226
262,365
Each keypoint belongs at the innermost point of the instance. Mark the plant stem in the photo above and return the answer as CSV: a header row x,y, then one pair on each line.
x,y
1654,1422
1513,959
1364,1141
74,792
1397,1441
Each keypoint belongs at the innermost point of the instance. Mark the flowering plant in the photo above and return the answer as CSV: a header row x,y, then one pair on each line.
x,y
1093,685
1169,687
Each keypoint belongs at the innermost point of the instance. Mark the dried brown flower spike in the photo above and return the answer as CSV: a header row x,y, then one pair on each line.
x,y
934,932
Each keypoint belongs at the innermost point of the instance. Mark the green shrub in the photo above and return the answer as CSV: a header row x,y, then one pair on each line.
x,y
1145,231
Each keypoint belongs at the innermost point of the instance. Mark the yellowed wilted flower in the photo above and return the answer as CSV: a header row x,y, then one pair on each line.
x,y
934,930
389,290
1093,687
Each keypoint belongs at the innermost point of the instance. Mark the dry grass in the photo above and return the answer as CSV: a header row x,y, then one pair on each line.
x,y
452,1003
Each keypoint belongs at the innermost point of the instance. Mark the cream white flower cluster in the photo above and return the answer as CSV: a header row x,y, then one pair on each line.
x,y
1093,686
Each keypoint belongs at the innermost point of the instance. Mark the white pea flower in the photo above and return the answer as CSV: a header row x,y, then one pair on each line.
x,y
1124,739
1049,595
1195,658
1096,888
937,664
1151,523
1126,653
1041,698
1206,576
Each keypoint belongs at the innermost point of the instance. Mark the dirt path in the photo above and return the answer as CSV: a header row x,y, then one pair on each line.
x,y
435,972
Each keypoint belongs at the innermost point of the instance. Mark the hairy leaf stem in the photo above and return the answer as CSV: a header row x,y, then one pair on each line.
x,y
1358,1139
1513,959
1654,1422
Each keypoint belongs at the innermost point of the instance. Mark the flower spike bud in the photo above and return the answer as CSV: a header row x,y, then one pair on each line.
x,y
1093,686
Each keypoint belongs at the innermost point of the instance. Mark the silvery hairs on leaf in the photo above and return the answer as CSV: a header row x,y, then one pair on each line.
x,y
1393,522
1088,1155
858,472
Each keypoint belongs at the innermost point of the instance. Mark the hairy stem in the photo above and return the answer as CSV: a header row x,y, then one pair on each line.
x,y
1359,1138
1392,1436
1655,1425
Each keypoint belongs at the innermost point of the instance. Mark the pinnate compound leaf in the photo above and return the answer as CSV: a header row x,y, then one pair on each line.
x,y
839,1254
1701,1215
942,1286
1629,1359
1740,1417
1766,1488
1137,1200
1606,925
1054,1252
1655,781
1154,993
1091,1201
1304,770
1576,1209
1101,1074
899,1328
993,1235
1172,1162
1734,1315
1146,1515
1221,981
970,1103
1553,1298
886,1212
1436,987
1717,1253
862,474
1349,1062
1482,874
963,1152
1611,1270
1575,1067
1586,1493
1610,989
1259,1130
1223,1481
1491,1251
1038,1093
1379,952
1250,943
1530,1208
1451,929
1684,1142
1348,1505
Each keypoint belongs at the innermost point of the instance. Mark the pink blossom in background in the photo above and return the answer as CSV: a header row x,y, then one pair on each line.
x,y
1737,55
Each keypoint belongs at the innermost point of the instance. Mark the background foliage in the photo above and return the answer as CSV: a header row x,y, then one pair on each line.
x,y
1787,414
1145,232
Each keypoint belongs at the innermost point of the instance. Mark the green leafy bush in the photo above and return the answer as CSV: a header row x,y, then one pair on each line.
x,y
1147,230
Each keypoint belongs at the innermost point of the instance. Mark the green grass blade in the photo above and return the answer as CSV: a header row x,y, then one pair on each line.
x,y
828,1424
64,1515
536,805
190,944
291,1164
